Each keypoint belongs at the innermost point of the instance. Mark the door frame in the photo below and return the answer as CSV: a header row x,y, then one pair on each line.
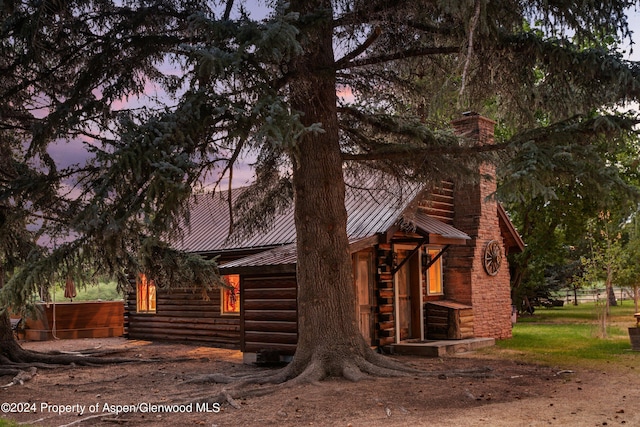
x,y
396,299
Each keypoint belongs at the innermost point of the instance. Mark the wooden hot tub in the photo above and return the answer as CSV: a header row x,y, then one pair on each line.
x,y
98,319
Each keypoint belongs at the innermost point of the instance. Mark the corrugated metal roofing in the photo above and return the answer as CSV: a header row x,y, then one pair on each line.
x,y
208,229
432,226
282,255
370,210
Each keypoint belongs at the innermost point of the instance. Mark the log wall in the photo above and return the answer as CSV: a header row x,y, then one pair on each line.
x,y
448,320
439,204
269,314
183,315
385,327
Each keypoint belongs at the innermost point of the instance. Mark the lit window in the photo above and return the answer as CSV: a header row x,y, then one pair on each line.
x,y
146,295
231,295
434,274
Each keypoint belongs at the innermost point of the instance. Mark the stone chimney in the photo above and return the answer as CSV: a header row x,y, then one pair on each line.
x,y
467,280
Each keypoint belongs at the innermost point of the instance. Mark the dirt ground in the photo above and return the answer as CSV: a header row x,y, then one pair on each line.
x,y
510,393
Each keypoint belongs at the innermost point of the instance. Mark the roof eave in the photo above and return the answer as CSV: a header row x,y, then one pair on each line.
x,y
260,269
511,229
436,239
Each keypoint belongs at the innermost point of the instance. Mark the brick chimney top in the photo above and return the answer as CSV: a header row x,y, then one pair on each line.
x,y
475,128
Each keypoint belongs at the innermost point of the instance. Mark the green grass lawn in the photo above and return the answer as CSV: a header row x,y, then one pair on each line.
x,y
105,291
569,337
583,313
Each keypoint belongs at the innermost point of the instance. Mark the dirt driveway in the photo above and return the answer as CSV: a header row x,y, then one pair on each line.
x,y
510,394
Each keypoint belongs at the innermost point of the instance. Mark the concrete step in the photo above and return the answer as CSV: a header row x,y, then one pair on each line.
x,y
442,347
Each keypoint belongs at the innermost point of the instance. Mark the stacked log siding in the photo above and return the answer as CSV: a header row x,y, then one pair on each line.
x,y
184,315
269,313
439,204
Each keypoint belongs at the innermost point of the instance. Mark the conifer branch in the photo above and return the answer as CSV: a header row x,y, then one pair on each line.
x,y
360,49
404,54
472,30
227,10
399,152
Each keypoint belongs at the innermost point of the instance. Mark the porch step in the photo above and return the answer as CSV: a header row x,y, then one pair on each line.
x,y
441,348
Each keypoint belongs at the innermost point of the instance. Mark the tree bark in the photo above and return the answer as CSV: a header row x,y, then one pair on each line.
x,y
9,347
329,343
611,296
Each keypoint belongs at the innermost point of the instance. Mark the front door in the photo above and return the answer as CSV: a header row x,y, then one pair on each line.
x,y
408,303
364,293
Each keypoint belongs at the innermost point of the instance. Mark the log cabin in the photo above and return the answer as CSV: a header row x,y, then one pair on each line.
x,y
426,265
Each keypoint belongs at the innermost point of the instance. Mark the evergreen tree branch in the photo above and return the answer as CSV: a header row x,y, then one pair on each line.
x,y
227,10
404,54
391,152
359,49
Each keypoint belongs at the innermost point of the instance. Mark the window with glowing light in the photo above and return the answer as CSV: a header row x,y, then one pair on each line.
x,y
231,295
434,273
146,295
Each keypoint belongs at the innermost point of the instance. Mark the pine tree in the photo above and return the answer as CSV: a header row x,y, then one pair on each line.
x,y
269,86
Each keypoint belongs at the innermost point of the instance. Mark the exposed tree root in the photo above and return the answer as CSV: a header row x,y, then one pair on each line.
x,y
92,382
14,358
39,365
29,358
389,363
353,369
95,352
21,377
9,371
81,420
211,379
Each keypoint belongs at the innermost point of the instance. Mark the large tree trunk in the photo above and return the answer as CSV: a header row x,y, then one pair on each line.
x,y
329,343
10,350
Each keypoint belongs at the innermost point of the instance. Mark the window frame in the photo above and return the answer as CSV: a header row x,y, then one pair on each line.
x,y
428,252
225,294
146,295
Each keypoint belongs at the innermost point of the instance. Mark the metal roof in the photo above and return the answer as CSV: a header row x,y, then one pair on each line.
x,y
208,229
431,225
287,254
370,210
281,255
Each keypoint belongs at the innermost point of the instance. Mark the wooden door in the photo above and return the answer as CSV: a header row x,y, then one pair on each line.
x,y
364,293
408,302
